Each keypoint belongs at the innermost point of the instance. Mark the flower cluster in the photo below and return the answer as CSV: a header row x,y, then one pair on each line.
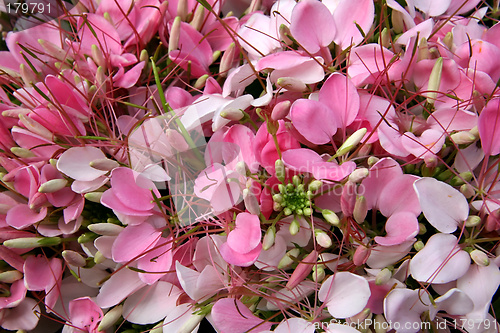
x,y
254,166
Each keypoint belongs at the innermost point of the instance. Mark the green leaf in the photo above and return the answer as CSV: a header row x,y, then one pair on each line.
x,y
205,4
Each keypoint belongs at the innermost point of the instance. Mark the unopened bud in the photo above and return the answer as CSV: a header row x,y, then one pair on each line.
x,y
144,56
302,270
284,32
383,276
463,137
331,217
200,82
422,229
98,56
448,40
110,318
74,258
198,18
322,238
294,226
397,22
269,237
232,114
358,175
190,325
27,75
29,242
318,273
279,166
182,9
434,81
291,84
361,255
360,318
351,142
287,260
281,110
227,60
360,209
52,185
419,245
10,276
467,190
385,38
472,221
99,258
423,50
251,202
461,179
104,164
175,31
87,237
315,185
105,229
22,152
93,196
480,258
35,127
372,160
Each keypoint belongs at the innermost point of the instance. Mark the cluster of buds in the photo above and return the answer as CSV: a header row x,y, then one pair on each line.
x,y
293,198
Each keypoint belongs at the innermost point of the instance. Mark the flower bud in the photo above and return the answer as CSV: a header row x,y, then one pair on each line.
x,y
189,325
385,38
372,160
472,221
87,237
200,82
99,258
251,203
105,229
480,258
318,273
291,84
29,242
104,164
52,185
182,9
294,226
463,137
93,196
322,238
360,209
467,190
419,245
287,260
358,175
175,31
448,40
434,81
10,276
383,277
232,114
423,50
110,318
422,229
302,270
269,237
380,324
22,152
198,18
461,179
361,255
331,217
176,140
98,56
284,32
227,61
281,110
35,127
74,258
315,185
279,166
27,75
351,142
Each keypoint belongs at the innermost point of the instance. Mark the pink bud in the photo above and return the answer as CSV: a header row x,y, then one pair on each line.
x,y
227,60
303,269
361,255
292,84
176,140
281,110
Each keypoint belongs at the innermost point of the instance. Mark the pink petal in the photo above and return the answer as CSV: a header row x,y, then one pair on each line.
x,y
178,317
443,206
440,261
231,315
403,307
314,120
400,227
398,195
132,189
118,287
247,234
84,313
151,304
372,186
156,261
347,15
345,294
312,25
382,256
25,316
341,95
429,143
21,216
237,258
74,163
198,285
432,8
489,127
133,241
